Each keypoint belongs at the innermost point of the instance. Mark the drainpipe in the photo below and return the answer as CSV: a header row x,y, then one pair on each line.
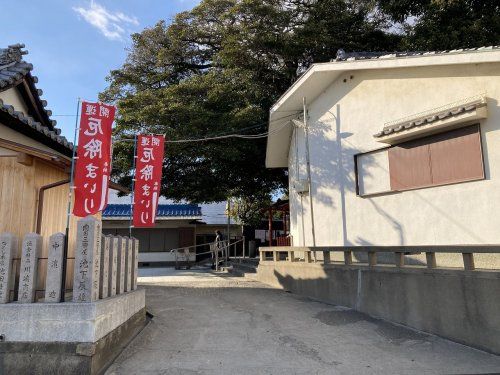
x,y
308,164
41,193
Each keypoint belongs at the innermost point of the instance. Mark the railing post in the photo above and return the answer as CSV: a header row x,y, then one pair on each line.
x,y
262,255
326,257
399,259
431,260
291,256
348,257
275,256
372,258
244,247
469,261
216,259
307,256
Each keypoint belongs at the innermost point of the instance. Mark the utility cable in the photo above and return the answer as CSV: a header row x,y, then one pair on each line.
x,y
227,136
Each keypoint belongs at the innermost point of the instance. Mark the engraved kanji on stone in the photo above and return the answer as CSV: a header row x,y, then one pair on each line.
x,y
31,250
8,251
54,271
87,260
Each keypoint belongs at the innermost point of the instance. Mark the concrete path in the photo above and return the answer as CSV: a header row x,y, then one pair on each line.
x,y
209,324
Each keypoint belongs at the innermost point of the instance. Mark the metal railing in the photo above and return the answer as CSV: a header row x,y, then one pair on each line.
x,y
218,250
277,254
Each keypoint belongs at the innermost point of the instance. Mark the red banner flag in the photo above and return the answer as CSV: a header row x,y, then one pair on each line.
x,y
93,166
148,170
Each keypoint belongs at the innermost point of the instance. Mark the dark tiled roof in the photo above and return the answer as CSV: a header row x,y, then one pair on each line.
x,y
29,122
352,56
164,210
425,120
13,70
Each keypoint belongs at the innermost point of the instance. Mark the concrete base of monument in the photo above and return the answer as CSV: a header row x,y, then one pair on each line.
x,y
76,338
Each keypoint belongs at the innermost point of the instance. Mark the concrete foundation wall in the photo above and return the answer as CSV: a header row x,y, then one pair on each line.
x,y
68,322
458,305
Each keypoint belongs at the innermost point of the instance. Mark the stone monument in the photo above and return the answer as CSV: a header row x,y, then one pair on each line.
x,y
104,284
54,268
8,251
135,262
113,264
120,269
87,261
128,266
31,249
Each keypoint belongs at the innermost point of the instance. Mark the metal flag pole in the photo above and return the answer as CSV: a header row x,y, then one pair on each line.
x,y
133,186
64,265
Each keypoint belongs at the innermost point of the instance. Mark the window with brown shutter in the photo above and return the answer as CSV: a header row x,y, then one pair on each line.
x,y
451,157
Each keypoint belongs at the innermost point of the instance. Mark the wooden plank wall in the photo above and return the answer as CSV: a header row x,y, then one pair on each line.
x,y
19,187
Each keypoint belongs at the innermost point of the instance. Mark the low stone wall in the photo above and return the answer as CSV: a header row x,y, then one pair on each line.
x,y
70,321
49,334
68,338
462,306
41,358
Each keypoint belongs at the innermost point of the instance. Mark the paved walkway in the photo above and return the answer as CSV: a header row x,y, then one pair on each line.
x,y
208,324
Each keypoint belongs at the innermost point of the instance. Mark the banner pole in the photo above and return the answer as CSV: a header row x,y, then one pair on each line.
x,y
133,186
70,197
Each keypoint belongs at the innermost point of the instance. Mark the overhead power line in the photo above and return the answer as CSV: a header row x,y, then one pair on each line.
x,y
227,136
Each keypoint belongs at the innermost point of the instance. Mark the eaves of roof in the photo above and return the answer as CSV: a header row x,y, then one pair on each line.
x,y
319,77
28,126
426,120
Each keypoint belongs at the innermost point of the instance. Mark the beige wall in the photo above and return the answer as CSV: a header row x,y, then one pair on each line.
x,y
13,98
19,192
342,122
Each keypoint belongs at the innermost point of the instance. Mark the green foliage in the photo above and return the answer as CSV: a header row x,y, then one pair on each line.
x,y
218,68
249,212
445,24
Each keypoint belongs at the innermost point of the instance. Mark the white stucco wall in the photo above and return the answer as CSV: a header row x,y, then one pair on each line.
x,y
342,122
13,98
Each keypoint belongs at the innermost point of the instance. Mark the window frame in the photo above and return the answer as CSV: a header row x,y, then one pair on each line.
x,y
395,191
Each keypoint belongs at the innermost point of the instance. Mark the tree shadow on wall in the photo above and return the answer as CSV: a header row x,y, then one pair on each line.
x,y
334,170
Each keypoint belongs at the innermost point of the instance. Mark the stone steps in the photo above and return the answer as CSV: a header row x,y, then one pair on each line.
x,y
247,268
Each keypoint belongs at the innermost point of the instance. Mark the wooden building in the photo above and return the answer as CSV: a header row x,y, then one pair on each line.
x,y
35,159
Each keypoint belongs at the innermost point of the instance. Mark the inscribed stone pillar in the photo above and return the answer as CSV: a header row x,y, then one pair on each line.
x,y
31,249
8,251
128,266
97,264
86,274
54,268
135,262
120,269
103,284
113,264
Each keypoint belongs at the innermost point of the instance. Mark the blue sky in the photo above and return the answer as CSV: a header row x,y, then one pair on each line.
x,y
74,44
